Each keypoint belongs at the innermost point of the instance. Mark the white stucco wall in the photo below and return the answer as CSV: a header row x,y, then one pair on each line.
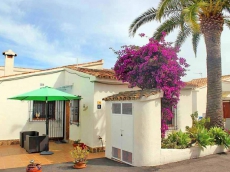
x,y
147,132
175,155
99,121
186,106
226,86
201,100
14,114
92,120
83,87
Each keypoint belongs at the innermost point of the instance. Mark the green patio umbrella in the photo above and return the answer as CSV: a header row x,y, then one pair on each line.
x,y
46,94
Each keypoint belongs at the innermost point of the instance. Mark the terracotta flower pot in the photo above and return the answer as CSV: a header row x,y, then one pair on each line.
x,y
34,168
79,165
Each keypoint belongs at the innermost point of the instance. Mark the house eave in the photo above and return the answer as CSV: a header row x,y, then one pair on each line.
x,y
109,81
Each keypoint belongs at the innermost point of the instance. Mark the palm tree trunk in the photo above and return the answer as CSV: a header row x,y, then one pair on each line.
x,y
214,108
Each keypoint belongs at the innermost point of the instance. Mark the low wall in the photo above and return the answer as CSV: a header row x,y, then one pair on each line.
x,y
175,155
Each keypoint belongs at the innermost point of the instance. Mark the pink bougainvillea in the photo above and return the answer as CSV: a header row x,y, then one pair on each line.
x,y
154,65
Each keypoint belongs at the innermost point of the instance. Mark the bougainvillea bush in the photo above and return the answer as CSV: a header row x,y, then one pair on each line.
x,y
154,65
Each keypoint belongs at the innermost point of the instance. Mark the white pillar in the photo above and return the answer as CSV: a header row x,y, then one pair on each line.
x,y
147,133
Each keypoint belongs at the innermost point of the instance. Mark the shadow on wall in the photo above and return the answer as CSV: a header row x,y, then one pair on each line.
x,y
186,93
100,126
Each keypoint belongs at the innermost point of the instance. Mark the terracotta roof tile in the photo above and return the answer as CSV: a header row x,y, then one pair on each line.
x,y
132,95
203,81
188,84
100,73
86,64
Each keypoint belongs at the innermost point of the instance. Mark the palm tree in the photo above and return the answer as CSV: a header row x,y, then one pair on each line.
x,y
195,18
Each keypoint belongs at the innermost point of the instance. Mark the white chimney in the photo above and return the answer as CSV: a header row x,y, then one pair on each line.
x,y
9,62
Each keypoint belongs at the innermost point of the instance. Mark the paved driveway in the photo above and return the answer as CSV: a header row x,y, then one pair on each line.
x,y
212,163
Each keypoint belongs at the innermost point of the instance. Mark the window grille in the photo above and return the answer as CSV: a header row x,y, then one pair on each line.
x,y
38,110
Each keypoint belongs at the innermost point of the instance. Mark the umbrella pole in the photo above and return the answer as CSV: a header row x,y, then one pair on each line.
x,y
47,119
47,152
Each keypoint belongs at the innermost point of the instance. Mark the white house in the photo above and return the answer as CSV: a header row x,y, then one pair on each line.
x,y
84,119
193,98
201,93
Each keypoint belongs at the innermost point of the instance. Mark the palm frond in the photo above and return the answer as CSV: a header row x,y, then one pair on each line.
x,y
168,7
191,15
146,17
195,41
161,8
168,26
184,33
227,23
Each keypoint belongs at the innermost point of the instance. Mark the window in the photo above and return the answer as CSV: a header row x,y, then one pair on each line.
x,y
127,108
172,123
75,111
122,108
116,108
39,110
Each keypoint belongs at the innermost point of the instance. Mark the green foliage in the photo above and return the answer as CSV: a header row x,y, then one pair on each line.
x,y
220,136
202,138
176,140
197,132
198,135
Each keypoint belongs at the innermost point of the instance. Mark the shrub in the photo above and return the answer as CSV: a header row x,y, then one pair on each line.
x,y
176,140
198,134
220,136
202,138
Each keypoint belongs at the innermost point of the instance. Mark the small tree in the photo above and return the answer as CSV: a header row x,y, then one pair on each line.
x,y
154,65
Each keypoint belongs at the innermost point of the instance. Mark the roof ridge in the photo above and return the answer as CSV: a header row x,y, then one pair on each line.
x,y
87,63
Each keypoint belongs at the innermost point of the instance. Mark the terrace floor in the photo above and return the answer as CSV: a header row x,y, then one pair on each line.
x,y
14,156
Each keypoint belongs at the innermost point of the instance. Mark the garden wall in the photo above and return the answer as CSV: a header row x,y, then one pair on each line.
x,y
174,155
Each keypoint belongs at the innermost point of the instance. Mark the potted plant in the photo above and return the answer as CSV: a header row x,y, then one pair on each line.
x,y
33,167
77,143
80,154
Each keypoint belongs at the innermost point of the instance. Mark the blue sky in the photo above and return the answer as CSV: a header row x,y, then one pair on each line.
x,y
53,33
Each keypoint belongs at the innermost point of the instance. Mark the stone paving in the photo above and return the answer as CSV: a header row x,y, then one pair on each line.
x,y
14,156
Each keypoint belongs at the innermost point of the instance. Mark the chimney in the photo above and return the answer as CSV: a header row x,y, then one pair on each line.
x,y
9,62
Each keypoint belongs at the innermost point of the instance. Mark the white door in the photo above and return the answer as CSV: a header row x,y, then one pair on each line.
x,y
122,132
